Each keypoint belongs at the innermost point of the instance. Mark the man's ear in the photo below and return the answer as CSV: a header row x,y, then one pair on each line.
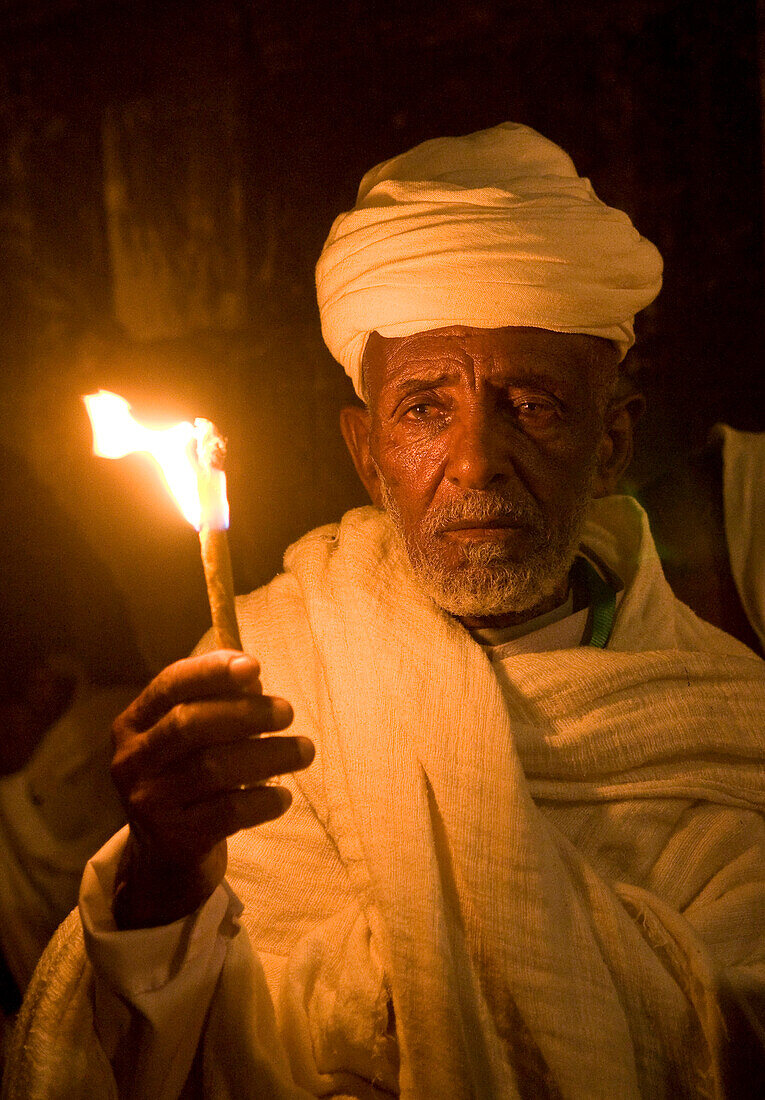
x,y
615,452
355,424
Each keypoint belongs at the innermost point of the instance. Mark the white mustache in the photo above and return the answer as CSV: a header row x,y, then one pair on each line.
x,y
480,508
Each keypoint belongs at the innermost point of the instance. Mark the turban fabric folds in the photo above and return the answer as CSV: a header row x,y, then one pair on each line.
x,y
493,229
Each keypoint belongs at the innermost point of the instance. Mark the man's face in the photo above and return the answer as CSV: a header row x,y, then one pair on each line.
x,y
484,445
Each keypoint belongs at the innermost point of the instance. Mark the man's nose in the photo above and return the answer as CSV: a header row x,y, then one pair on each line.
x,y
478,454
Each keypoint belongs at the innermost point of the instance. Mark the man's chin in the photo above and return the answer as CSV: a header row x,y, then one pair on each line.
x,y
512,574
494,592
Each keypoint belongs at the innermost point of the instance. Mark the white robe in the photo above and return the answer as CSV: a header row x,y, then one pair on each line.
x,y
537,887
54,813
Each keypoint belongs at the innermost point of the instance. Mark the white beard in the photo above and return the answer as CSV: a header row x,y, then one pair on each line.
x,y
487,583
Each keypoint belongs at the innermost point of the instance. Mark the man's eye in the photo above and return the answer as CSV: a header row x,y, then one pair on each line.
x,y
536,413
421,411
535,407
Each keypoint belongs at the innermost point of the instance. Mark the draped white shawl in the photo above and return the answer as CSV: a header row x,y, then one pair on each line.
x,y
552,878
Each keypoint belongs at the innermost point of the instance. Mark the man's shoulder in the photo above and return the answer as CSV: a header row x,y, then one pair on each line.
x,y
650,616
361,528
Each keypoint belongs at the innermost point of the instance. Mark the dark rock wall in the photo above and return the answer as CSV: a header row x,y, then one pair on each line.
x,y
168,173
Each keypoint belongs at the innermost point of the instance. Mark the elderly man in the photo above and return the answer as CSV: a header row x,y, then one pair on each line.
x,y
527,857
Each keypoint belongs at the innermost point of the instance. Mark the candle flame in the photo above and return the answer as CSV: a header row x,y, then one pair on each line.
x,y
189,456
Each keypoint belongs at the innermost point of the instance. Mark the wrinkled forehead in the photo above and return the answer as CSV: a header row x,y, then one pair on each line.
x,y
572,357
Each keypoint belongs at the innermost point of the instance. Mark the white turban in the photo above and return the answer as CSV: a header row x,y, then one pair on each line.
x,y
487,230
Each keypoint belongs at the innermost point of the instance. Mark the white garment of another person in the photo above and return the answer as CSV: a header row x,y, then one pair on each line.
x,y
55,813
743,487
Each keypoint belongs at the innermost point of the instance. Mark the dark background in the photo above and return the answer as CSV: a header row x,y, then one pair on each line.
x,y
168,173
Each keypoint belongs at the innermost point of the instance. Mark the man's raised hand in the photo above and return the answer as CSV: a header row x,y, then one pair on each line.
x,y
191,757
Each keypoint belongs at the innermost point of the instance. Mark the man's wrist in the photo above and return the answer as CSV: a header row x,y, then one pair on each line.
x,y
150,891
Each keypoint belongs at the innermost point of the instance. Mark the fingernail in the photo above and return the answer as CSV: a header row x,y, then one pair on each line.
x,y
306,751
241,668
284,797
282,710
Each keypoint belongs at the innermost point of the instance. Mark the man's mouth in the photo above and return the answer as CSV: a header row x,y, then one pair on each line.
x,y
480,529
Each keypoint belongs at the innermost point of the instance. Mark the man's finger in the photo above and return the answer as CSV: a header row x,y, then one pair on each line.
x,y
191,727
218,770
239,766
218,818
223,672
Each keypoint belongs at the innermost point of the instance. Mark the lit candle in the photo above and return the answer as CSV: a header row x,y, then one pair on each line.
x,y
190,458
